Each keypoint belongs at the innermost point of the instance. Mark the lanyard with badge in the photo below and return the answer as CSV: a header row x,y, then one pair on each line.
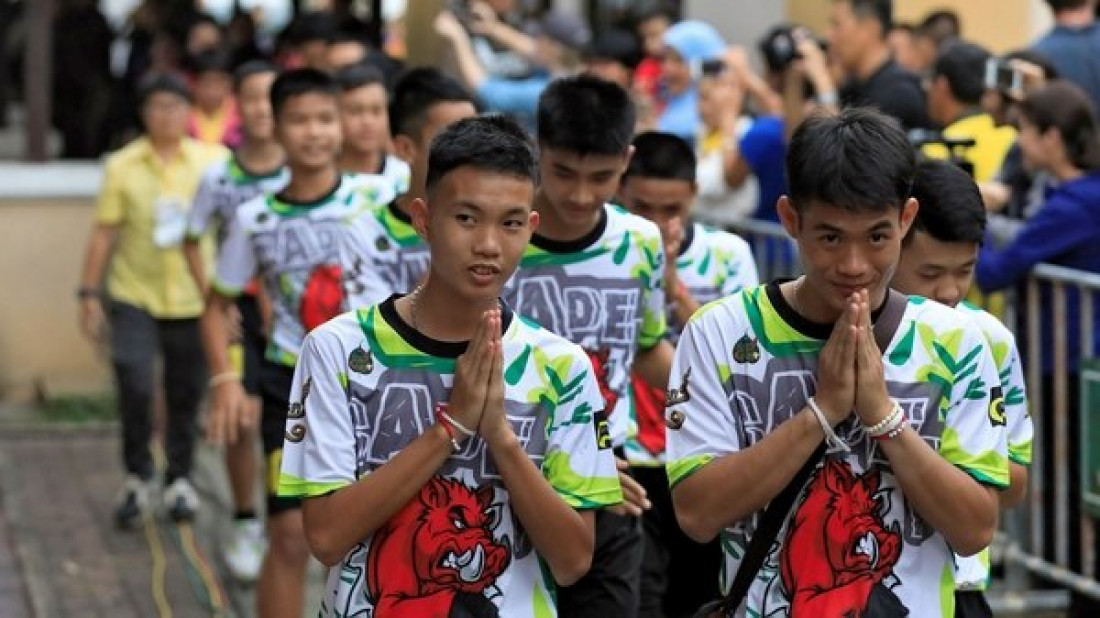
x,y
170,208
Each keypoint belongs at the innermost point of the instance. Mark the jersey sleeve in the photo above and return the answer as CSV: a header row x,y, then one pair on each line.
x,y
1020,428
975,437
579,462
236,259
203,206
364,280
654,321
741,269
319,446
701,420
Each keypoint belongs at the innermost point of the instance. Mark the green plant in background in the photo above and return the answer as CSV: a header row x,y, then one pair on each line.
x,y
79,408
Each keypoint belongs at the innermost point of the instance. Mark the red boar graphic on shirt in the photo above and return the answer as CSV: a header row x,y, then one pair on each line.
x,y
838,547
437,552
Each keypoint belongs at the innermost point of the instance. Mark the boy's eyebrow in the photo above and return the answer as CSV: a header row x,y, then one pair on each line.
x,y
514,210
878,227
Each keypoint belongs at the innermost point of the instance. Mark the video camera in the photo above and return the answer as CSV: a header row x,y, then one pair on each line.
x,y
956,146
780,48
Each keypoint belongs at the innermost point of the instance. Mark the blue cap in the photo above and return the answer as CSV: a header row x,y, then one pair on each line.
x,y
695,41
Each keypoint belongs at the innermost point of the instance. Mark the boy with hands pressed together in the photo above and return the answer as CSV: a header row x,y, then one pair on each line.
x,y
445,447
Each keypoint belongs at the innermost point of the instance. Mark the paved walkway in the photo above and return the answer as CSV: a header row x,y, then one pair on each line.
x,y
61,555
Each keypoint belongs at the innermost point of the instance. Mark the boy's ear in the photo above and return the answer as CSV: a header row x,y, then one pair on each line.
x,y
788,216
907,215
533,221
418,212
404,148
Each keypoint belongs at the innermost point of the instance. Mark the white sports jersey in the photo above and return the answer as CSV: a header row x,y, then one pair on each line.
x,y
366,386
223,188
604,292
390,258
294,249
973,571
852,544
712,264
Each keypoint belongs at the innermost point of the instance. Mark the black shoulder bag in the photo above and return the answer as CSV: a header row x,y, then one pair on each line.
x,y
780,506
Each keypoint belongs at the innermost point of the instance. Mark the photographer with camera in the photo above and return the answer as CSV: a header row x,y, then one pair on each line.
x,y
954,102
857,42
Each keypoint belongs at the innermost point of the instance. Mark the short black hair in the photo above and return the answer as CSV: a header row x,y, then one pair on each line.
x,y
661,155
210,61
963,65
858,159
312,26
491,143
250,68
162,82
297,82
941,25
343,36
660,10
1050,72
881,11
1066,5
951,206
359,75
586,115
416,92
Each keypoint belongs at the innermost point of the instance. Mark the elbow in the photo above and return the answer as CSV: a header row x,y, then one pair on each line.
x,y
569,572
326,550
973,541
693,521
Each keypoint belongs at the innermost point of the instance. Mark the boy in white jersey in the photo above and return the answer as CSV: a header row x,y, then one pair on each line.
x,y
446,447
289,241
902,390
593,274
365,123
425,102
255,167
937,262
704,264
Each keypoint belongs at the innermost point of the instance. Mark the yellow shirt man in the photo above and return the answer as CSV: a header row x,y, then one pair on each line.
x,y
991,144
148,200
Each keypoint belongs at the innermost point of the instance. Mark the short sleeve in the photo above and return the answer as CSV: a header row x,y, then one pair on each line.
x,y
203,206
111,205
579,462
698,413
361,246
236,259
654,320
975,437
319,446
1020,428
741,271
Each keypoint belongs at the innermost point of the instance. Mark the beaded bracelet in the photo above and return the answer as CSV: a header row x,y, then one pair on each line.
x,y
223,377
894,431
883,427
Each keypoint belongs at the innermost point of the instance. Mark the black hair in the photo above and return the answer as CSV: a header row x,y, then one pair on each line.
x,y
904,26
1050,72
951,206
858,159
1066,5
881,11
250,68
313,26
357,76
1065,107
585,115
343,36
210,61
491,143
659,11
661,155
963,65
941,25
162,82
416,92
297,82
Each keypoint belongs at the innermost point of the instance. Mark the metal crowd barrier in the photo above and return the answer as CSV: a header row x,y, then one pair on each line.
x,y
1020,545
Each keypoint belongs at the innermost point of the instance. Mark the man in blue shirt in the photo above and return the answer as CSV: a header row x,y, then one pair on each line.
x,y
1073,45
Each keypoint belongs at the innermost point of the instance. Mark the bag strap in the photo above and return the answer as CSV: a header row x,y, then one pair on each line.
x,y
770,523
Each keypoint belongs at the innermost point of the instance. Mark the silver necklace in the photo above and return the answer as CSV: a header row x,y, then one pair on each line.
x,y
412,306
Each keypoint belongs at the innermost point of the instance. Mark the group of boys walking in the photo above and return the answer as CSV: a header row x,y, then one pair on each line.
x,y
482,389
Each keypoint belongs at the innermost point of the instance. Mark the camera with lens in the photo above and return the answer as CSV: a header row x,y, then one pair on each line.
x,y
780,46
956,147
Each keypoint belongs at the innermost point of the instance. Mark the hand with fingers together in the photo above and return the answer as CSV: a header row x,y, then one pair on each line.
x,y
872,401
635,501
472,376
836,372
494,425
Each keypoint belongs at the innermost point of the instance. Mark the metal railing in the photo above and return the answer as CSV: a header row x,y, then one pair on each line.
x,y
1020,545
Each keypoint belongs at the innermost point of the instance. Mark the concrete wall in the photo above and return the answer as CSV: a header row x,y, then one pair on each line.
x,y
46,213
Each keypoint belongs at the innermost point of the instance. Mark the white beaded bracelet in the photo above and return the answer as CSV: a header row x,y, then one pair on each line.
x,y
895,418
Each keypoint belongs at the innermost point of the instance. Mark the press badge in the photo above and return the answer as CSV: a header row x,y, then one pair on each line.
x,y
170,223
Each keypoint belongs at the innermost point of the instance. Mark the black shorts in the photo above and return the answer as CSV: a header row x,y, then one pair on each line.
x,y
253,342
275,383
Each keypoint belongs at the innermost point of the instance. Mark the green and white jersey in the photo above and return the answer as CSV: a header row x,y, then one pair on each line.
x,y
973,571
712,264
397,172
603,292
365,387
293,248
223,188
389,258
852,543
